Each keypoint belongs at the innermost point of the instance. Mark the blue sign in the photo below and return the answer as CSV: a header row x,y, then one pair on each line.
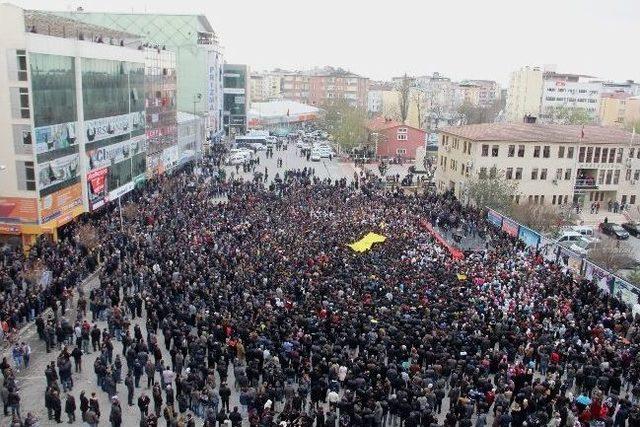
x,y
528,236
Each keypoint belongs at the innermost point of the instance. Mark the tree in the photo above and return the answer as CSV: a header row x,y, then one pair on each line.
x,y
404,96
418,99
88,236
634,276
612,254
568,116
492,189
474,114
543,218
346,124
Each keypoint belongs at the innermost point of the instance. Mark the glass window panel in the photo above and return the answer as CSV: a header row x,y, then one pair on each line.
x,y
53,86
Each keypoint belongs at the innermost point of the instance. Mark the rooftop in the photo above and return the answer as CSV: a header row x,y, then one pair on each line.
x,y
39,22
616,95
537,132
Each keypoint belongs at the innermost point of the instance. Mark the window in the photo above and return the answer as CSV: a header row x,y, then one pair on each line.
x,y
23,103
605,154
627,175
509,173
404,130
26,176
601,174
494,151
21,56
546,151
567,174
581,154
483,173
558,174
553,200
493,173
616,176
596,155
402,136
512,151
620,154
589,154
608,177
520,150
612,155
542,199
53,80
631,152
518,173
534,173
570,153
632,199
402,151
536,151
543,173
536,198
485,150
561,152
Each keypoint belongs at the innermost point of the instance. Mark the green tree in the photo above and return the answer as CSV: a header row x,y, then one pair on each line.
x,y
569,116
490,188
346,124
634,276
404,96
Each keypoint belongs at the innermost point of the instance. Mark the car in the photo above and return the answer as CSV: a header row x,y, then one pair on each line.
x,y
325,153
614,230
300,144
569,236
257,146
581,247
632,228
315,156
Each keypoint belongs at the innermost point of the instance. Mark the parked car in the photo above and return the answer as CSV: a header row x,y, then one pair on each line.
x,y
614,230
632,228
315,156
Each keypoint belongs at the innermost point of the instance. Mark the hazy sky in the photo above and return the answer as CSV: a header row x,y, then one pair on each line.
x,y
381,39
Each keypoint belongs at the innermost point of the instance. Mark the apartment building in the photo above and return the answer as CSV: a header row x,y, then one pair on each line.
x,y
73,117
552,164
328,89
561,92
523,95
265,87
295,87
619,109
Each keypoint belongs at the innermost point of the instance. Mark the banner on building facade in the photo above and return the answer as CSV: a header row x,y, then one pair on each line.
x,y
121,191
109,127
114,153
510,227
494,218
54,137
60,203
19,209
97,188
58,170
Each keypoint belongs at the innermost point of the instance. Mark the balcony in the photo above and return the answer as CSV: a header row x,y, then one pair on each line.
x,y
586,184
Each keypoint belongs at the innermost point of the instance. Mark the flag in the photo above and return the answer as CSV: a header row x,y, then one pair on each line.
x,y
582,132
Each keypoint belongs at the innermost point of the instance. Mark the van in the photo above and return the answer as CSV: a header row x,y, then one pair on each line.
x,y
569,236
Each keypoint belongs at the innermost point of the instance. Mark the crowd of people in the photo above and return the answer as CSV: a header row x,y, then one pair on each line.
x,y
261,298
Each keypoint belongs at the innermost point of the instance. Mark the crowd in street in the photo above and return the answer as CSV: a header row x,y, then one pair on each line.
x,y
260,296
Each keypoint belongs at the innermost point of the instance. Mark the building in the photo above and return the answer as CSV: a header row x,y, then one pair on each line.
x,y
479,93
199,57
619,109
415,108
190,130
295,87
552,164
563,93
326,87
524,93
74,111
161,107
236,98
393,139
265,87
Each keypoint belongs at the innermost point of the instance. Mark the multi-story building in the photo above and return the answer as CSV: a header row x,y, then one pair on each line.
x,y
265,87
74,109
331,88
552,164
619,109
199,57
326,87
161,108
569,92
295,87
524,93
480,93
236,98
190,129
393,140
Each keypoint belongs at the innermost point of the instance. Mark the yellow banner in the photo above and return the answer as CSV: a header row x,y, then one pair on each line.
x,y
366,242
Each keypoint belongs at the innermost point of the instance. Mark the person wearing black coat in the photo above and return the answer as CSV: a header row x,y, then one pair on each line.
x,y
56,405
116,414
84,405
70,408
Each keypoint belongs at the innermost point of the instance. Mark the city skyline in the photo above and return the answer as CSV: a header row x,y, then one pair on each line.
x,y
488,40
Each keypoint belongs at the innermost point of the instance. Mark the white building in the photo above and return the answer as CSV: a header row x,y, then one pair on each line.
x,y
523,95
374,101
552,164
567,92
265,86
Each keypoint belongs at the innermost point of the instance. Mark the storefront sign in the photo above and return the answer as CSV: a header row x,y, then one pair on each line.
x,y
58,170
54,137
121,191
170,157
114,153
20,209
61,202
108,127
97,188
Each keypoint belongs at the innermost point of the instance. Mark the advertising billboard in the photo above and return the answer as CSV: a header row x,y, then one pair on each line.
x,y
510,227
49,138
494,218
18,209
97,187
60,203
58,170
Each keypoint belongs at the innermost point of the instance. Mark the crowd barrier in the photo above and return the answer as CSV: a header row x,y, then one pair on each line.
x,y
455,252
577,263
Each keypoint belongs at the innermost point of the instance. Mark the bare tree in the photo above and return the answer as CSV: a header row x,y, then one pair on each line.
x,y
88,236
543,218
130,211
33,270
404,96
492,189
418,98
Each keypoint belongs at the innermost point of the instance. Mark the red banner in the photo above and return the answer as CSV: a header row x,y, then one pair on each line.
x,y
455,252
97,179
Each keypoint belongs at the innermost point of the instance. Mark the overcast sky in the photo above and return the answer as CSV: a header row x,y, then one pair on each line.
x,y
381,39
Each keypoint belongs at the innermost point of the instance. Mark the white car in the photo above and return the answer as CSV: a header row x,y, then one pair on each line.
x,y
257,146
300,144
315,156
236,159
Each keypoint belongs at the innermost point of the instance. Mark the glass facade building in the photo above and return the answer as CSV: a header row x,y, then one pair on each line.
x,y
236,98
53,89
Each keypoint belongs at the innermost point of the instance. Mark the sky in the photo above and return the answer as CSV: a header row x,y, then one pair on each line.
x,y
462,39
